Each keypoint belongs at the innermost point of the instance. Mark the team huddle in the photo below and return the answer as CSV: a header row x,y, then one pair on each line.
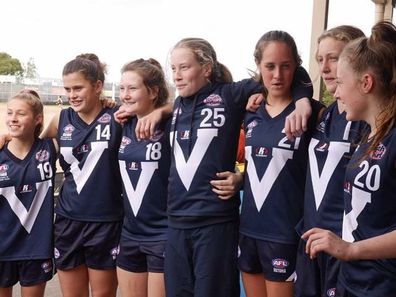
x,y
151,202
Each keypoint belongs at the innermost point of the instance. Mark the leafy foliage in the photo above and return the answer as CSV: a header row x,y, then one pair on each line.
x,y
10,65
30,70
326,97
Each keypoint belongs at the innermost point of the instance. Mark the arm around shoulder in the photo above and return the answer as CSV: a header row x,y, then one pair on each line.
x,y
52,128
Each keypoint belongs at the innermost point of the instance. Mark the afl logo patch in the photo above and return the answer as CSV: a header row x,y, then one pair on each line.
x,y
249,128
280,263
331,292
56,253
67,132
46,266
3,168
157,135
379,152
124,142
3,172
213,100
114,252
68,129
42,155
104,119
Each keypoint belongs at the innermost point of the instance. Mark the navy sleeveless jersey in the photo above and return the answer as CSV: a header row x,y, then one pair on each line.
x,y
332,145
26,203
144,167
274,176
89,158
370,210
204,137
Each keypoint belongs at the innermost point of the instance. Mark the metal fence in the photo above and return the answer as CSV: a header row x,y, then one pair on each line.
x,y
48,88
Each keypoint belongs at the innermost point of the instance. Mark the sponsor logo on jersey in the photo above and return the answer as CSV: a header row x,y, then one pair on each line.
x,y
42,155
157,135
26,189
82,149
213,100
347,187
47,266
104,119
185,134
134,166
379,152
124,142
250,127
262,151
3,172
322,147
331,292
67,132
279,265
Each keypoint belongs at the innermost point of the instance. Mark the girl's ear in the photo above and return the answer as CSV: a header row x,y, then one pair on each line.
x,y
207,68
38,120
98,87
153,92
367,82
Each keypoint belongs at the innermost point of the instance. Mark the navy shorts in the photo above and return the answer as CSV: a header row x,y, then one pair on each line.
x,y
91,243
315,277
342,292
202,261
141,256
276,261
27,272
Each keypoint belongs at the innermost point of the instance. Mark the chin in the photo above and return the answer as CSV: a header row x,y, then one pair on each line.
x,y
351,117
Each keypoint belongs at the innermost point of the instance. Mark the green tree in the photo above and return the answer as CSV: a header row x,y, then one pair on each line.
x,y
10,65
30,70
327,98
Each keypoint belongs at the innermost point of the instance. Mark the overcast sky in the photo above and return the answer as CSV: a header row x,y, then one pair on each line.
x,y
52,32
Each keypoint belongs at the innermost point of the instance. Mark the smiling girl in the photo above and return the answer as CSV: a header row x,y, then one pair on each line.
x,y
27,166
89,210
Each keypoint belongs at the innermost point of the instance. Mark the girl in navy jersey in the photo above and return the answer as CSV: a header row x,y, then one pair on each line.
x,y
201,252
268,242
89,210
366,83
144,169
332,144
27,169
